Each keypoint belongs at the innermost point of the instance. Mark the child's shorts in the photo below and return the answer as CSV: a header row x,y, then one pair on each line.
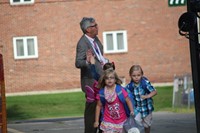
x,y
146,122
108,127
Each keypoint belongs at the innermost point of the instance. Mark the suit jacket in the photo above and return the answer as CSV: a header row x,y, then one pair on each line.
x,y
80,62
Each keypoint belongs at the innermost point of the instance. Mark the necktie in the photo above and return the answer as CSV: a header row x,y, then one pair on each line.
x,y
95,47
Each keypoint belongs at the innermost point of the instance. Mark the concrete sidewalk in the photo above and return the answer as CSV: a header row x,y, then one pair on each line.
x,y
163,122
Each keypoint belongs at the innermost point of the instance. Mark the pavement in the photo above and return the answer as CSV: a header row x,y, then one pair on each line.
x,y
163,122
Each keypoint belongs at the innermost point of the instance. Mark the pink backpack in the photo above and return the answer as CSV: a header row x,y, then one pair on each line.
x,y
91,92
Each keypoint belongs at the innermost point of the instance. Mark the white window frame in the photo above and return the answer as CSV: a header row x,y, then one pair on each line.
x,y
21,2
115,49
25,56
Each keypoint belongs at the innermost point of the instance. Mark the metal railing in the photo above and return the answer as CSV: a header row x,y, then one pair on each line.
x,y
183,92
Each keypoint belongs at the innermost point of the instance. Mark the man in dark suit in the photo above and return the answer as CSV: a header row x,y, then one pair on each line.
x,y
89,43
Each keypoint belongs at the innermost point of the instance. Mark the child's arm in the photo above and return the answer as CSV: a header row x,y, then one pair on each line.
x,y
153,93
97,113
95,75
130,105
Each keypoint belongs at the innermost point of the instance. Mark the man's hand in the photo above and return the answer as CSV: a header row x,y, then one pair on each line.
x,y
88,55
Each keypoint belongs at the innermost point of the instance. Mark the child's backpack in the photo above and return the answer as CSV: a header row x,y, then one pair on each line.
x,y
120,96
91,92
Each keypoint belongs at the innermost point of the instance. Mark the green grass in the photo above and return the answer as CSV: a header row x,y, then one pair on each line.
x,y
70,104
45,106
163,99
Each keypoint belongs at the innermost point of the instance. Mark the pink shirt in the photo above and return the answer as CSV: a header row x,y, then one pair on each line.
x,y
114,112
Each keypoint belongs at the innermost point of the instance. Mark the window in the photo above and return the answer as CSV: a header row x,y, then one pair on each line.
x,y
25,47
115,41
21,2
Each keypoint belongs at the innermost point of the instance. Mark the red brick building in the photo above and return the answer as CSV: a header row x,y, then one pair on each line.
x,y
38,40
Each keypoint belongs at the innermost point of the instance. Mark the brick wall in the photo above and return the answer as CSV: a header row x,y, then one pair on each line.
x,y
153,40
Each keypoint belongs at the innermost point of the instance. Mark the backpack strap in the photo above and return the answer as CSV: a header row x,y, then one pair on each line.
x,y
103,102
129,87
102,96
122,99
144,82
120,94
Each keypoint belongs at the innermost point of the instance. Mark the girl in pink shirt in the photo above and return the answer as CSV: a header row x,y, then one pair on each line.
x,y
114,114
